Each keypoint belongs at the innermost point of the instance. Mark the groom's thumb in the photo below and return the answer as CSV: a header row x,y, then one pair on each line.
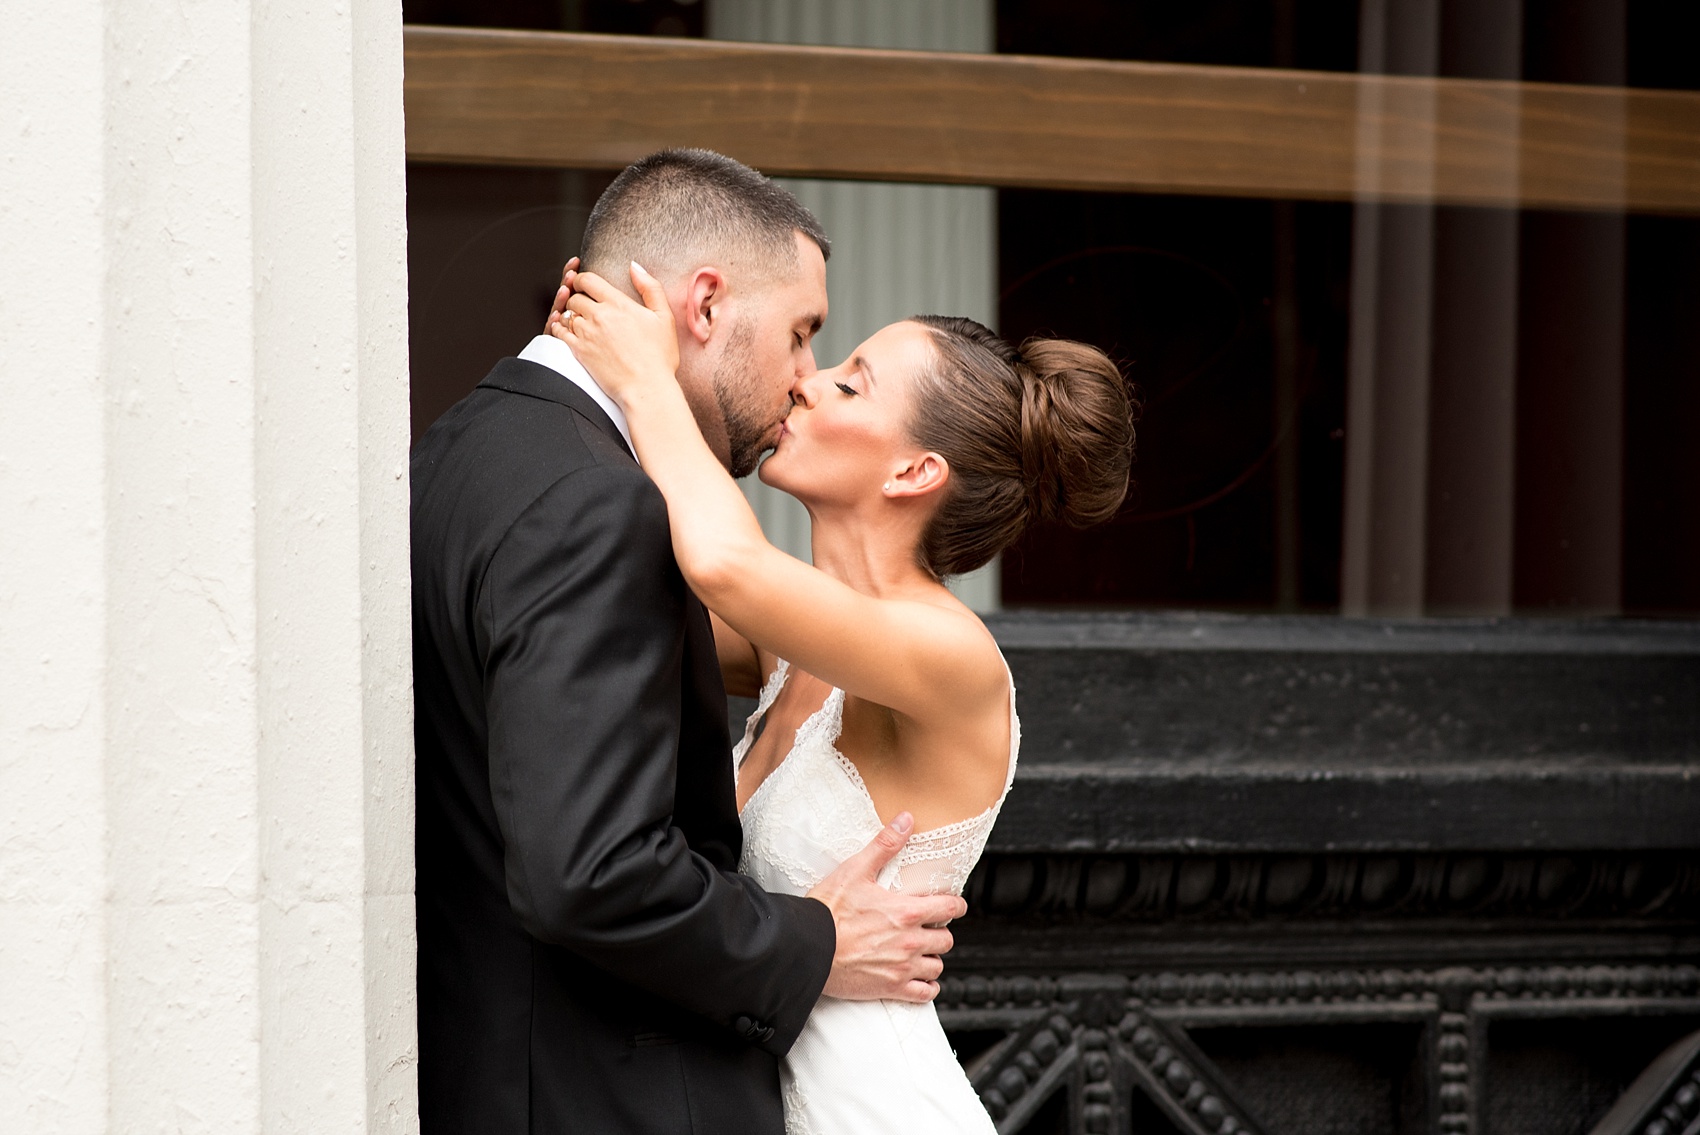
x,y
883,848
649,289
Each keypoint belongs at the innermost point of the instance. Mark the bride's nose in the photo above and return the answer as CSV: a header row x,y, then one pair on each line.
x,y
803,390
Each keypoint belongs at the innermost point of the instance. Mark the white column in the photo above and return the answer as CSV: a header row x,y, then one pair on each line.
x,y
205,740
53,595
897,249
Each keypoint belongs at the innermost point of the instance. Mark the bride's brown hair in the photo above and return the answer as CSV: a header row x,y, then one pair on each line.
x,y
1043,431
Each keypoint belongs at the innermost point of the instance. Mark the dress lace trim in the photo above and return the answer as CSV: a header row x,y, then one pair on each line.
x,y
764,702
849,814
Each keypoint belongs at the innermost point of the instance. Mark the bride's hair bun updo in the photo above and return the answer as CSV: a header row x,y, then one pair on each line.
x,y
1039,432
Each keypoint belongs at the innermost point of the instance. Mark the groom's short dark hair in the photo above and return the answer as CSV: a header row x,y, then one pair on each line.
x,y
686,204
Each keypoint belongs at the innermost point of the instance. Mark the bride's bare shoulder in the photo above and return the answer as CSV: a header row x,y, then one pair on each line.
x,y
971,665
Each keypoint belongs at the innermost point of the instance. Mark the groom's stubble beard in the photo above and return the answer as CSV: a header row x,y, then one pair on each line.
x,y
739,394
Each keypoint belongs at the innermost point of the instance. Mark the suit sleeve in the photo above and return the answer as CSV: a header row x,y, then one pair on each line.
x,y
581,613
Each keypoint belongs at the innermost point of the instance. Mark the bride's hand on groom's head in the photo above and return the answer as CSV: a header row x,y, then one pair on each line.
x,y
622,343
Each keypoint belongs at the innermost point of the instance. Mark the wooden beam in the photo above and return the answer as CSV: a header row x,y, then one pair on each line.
x,y
556,99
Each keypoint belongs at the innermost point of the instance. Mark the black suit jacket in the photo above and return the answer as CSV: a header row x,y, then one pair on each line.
x,y
589,958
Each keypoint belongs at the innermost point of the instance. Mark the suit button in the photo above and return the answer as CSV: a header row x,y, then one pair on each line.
x,y
750,1029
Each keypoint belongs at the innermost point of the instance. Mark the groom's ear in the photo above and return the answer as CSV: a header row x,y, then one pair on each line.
x,y
702,306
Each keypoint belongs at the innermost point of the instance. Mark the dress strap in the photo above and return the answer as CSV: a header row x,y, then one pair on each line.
x,y
764,702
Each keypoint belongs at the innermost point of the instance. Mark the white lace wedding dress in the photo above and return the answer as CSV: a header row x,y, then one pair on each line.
x,y
860,1067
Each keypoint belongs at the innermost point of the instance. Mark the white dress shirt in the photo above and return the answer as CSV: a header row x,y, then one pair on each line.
x,y
546,350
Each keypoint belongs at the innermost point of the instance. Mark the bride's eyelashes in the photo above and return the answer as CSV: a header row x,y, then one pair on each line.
x,y
850,390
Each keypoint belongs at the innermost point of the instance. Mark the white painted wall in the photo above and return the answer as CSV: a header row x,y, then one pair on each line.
x,y
897,249
206,918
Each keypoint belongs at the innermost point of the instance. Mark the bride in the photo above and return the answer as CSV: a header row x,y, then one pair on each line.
x,y
922,456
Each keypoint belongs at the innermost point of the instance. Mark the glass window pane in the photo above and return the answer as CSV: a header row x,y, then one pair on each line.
x,y
1359,406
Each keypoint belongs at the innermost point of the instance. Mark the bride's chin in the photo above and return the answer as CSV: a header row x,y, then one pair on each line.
x,y
765,473
776,472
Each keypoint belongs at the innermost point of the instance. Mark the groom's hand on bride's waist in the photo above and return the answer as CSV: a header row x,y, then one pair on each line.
x,y
889,945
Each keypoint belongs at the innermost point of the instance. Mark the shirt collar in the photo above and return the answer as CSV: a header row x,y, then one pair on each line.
x,y
546,350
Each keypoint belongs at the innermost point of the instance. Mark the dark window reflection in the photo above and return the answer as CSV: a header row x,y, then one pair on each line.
x,y
1186,293
1378,409
484,253
1318,35
1563,394
486,245
1661,460
1557,41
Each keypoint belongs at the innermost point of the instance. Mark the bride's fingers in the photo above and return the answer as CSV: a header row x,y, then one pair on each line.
x,y
594,286
562,294
574,321
649,289
569,274
582,307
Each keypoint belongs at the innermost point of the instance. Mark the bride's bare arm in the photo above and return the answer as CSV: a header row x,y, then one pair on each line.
x,y
740,666
921,659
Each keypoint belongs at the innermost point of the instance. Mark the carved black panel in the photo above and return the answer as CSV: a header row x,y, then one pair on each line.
x,y
1663,1100
1308,877
1100,1037
1592,886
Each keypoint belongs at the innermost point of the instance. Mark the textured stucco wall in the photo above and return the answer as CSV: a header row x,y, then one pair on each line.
x,y
52,574
205,744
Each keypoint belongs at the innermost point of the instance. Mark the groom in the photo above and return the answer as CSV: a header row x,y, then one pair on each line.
x,y
590,960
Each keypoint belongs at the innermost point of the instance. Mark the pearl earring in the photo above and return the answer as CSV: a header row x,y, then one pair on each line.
x,y
888,486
